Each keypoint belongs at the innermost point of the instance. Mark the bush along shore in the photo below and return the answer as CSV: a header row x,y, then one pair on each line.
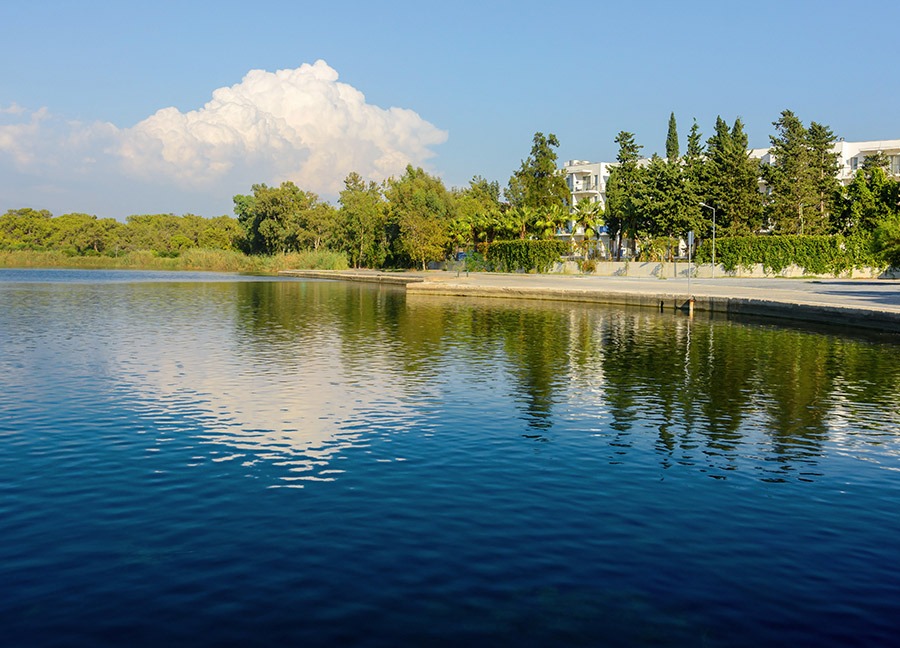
x,y
193,259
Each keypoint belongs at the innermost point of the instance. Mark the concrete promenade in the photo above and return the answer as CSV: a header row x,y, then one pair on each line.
x,y
855,303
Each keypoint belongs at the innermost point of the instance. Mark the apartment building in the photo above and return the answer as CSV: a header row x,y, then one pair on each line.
x,y
854,153
587,181
851,156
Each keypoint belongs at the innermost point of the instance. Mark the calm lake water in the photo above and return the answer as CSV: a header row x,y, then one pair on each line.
x,y
196,459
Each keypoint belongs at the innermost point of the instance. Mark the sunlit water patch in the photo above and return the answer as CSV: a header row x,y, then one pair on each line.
x,y
208,459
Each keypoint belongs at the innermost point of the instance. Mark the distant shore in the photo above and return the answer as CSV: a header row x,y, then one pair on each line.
x,y
191,259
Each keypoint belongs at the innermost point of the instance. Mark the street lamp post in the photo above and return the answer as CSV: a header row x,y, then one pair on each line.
x,y
703,204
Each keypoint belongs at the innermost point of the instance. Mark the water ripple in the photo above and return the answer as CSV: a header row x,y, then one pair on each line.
x,y
261,462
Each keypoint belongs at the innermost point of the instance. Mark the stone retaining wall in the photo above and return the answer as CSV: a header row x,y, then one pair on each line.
x,y
666,270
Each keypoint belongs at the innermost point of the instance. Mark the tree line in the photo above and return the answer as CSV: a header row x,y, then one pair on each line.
x,y
414,219
411,220
86,235
797,192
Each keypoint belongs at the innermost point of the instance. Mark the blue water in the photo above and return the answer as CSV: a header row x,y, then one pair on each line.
x,y
196,459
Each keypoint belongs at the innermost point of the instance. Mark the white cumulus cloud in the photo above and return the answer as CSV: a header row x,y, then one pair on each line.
x,y
297,124
300,124
12,109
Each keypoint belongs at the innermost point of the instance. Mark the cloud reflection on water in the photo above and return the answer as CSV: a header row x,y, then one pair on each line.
x,y
295,373
266,390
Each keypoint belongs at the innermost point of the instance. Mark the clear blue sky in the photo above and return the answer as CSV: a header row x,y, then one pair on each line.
x,y
81,84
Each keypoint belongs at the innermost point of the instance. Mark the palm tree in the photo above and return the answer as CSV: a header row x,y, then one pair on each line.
x,y
589,215
520,218
551,220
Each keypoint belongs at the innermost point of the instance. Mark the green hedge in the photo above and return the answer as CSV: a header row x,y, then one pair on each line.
x,y
525,255
887,240
814,254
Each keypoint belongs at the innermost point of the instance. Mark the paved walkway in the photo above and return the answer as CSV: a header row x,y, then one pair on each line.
x,y
867,303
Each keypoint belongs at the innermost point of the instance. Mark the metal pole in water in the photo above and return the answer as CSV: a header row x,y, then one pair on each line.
x,y
690,259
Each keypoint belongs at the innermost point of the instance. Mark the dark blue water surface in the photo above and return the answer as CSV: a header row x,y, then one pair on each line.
x,y
193,459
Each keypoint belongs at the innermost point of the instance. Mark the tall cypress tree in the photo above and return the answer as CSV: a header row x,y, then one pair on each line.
x,y
672,152
802,178
693,178
788,177
623,191
824,165
732,180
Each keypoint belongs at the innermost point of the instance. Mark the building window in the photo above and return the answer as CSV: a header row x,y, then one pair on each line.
x,y
895,164
854,164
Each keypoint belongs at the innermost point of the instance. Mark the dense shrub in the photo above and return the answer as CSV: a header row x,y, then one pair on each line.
x,y
525,255
814,254
887,240
193,259
475,262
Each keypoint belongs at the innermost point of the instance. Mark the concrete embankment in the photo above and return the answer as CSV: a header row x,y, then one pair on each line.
x,y
364,276
868,304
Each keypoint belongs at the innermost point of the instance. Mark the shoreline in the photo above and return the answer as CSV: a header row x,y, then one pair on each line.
x,y
870,304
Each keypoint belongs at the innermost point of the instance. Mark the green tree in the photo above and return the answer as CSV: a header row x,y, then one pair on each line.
x,y
161,233
422,208
693,173
362,221
672,151
279,219
551,220
26,228
589,216
824,165
670,206
320,226
876,161
787,178
220,233
478,212
624,192
801,180
83,233
113,234
731,180
694,155
519,220
870,198
537,183
887,239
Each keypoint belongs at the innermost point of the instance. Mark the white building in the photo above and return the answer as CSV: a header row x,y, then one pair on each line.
x,y
851,156
853,153
587,180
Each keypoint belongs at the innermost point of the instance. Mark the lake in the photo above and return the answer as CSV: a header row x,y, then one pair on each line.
x,y
206,459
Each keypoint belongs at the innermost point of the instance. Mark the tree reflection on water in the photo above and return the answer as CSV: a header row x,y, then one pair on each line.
x,y
707,386
701,391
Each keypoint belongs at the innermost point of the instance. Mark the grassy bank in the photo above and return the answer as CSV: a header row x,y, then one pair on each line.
x,y
194,259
